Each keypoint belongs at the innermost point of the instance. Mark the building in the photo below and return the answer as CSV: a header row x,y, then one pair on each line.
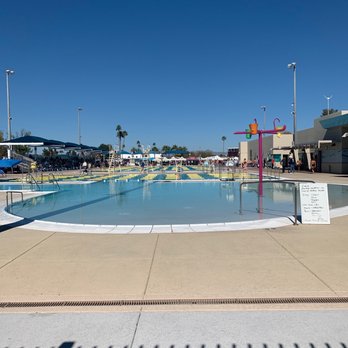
x,y
326,143
233,152
274,147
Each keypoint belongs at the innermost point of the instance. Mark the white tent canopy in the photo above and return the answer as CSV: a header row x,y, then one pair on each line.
x,y
177,159
215,158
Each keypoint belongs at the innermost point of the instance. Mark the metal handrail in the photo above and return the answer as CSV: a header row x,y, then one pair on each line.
x,y
227,171
292,182
11,195
54,180
29,178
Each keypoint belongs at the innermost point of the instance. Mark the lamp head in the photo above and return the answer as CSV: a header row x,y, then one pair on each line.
x,y
79,109
292,65
8,72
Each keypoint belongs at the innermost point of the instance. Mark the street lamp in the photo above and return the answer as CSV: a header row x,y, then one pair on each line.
x,y
9,133
263,107
328,103
79,109
293,67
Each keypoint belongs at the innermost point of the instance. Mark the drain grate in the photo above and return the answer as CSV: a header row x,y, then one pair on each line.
x,y
175,302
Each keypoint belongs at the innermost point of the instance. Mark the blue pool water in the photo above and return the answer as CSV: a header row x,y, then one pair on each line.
x,y
148,203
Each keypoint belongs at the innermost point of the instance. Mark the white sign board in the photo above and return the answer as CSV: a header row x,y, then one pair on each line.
x,y
314,203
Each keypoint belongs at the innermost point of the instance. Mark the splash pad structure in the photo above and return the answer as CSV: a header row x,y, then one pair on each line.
x,y
253,130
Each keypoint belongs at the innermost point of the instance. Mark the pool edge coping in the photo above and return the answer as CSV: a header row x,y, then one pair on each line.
x,y
7,218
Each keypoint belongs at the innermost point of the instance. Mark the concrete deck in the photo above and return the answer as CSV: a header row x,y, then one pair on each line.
x,y
289,261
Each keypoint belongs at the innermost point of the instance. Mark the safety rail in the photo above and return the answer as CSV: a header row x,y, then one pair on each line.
x,y
292,182
32,181
227,173
272,172
10,193
53,180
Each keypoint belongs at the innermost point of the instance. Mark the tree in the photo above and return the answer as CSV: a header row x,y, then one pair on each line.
x,y
139,145
105,147
223,138
49,152
119,133
124,135
326,112
165,148
154,147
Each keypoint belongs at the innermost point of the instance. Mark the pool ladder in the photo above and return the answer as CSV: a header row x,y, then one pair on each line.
x,y
52,179
10,194
33,183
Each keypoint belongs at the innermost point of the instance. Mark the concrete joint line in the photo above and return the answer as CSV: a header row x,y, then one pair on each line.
x,y
150,270
301,263
26,251
145,289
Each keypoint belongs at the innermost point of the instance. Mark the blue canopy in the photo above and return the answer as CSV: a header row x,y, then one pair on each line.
x,y
30,140
8,163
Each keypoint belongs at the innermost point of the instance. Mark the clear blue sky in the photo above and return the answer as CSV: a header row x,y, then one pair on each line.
x,y
182,72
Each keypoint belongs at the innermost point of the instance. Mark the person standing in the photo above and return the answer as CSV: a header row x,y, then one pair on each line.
x,y
298,163
291,165
313,165
283,164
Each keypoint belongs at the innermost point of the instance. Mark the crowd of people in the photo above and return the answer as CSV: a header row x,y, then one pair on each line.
x,y
287,163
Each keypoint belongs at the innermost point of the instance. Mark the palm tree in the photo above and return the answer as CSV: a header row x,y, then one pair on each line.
x,y
124,134
223,144
119,136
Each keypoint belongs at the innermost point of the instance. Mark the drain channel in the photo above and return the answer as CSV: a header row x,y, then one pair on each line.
x,y
175,302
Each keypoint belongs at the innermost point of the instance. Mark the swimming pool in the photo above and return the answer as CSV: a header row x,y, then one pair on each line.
x,y
156,203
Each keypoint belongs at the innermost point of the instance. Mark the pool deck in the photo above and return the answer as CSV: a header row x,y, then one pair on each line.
x,y
284,262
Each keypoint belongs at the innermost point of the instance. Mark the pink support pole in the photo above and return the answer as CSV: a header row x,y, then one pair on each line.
x,y
275,130
260,165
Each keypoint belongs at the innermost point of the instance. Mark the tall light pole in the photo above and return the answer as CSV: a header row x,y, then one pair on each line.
x,y
79,109
293,67
328,103
263,107
9,133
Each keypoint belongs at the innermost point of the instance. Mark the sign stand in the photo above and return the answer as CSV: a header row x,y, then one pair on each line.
x,y
314,203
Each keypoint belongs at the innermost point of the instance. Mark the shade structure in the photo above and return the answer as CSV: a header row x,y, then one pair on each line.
x,y
175,152
33,141
9,163
30,140
88,148
57,143
72,146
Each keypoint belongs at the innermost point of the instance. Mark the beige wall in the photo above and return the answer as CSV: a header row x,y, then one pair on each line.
x,y
243,151
250,149
311,135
